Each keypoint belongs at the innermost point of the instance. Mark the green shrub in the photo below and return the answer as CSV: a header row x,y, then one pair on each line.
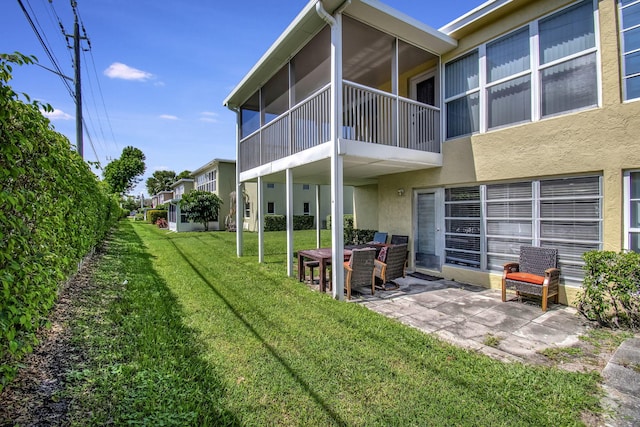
x,y
303,222
353,236
139,217
347,221
279,222
611,288
54,211
154,214
275,223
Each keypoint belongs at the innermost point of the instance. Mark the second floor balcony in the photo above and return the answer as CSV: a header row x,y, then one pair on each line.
x,y
385,68
369,116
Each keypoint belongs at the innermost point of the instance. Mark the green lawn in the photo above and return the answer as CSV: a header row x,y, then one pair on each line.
x,y
197,336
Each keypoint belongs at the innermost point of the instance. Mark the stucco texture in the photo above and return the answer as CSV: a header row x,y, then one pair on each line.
x,y
602,140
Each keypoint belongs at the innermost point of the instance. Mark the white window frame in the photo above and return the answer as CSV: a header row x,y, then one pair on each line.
x,y
207,181
535,70
536,218
628,230
623,52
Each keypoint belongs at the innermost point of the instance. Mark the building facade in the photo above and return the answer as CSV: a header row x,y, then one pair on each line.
x,y
176,219
515,124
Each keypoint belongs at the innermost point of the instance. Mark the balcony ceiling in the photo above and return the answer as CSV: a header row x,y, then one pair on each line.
x,y
308,23
363,164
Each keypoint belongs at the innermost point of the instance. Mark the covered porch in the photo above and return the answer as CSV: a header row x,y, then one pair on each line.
x,y
350,92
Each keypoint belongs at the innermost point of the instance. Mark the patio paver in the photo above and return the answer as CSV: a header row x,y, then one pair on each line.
x,y
464,315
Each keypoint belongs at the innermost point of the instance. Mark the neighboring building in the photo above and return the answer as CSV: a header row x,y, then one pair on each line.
x,y
304,196
161,198
217,177
176,219
516,123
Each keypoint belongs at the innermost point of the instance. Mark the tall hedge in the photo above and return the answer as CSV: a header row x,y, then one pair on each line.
x,y
54,211
611,288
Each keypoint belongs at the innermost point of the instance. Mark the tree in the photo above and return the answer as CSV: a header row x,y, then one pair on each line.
x,y
201,206
183,174
160,181
122,174
129,203
230,220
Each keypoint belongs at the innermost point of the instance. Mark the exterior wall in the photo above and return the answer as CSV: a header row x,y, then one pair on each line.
x,y
365,201
597,141
163,197
225,184
277,195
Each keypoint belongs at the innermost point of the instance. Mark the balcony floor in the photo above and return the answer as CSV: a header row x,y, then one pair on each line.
x,y
363,163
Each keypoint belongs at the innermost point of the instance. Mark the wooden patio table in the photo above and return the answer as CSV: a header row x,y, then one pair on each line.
x,y
323,256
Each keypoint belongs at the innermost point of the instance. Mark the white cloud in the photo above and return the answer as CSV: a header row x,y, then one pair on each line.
x,y
209,117
118,70
168,117
57,115
161,168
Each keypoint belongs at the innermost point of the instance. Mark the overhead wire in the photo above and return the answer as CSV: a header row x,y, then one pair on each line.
x,y
41,35
52,58
95,72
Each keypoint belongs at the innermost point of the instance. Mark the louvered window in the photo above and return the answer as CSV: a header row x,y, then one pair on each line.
x,y
509,221
462,229
487,224
571,220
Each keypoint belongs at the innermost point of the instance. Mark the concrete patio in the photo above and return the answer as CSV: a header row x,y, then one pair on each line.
x,y
472,317
517,330
475,318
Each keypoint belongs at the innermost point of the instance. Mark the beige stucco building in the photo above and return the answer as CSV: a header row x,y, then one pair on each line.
x,y
515,124
309,199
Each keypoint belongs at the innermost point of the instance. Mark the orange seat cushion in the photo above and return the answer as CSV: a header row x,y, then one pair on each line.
x,y
526,277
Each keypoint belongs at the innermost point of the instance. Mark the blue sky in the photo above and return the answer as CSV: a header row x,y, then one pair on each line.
x,y
158,71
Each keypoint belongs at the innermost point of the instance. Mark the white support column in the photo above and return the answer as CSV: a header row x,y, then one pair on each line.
x,y
260,219
337,182
239,187
318,219
394,89
289,184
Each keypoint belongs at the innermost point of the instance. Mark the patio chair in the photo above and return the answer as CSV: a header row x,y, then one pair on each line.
x,y
536,273
390,264
379,237
312,265
359,269
399,239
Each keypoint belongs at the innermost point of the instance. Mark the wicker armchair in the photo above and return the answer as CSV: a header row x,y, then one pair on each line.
x,y
359,269
399,239
391,264
535,274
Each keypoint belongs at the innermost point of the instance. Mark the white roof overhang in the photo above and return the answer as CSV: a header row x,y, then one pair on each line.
x,y
308,23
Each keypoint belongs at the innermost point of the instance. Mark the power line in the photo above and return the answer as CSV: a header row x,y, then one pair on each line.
x,y
75,57
46,49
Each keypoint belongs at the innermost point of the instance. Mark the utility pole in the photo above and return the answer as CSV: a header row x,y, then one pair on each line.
x,y
76,54
78,87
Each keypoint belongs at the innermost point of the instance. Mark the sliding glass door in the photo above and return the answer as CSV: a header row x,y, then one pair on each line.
x,y
428,245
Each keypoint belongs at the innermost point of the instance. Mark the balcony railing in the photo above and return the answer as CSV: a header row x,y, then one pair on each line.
x,y
369,115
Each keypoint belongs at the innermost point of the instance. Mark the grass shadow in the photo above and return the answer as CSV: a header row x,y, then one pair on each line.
x,y
144,365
